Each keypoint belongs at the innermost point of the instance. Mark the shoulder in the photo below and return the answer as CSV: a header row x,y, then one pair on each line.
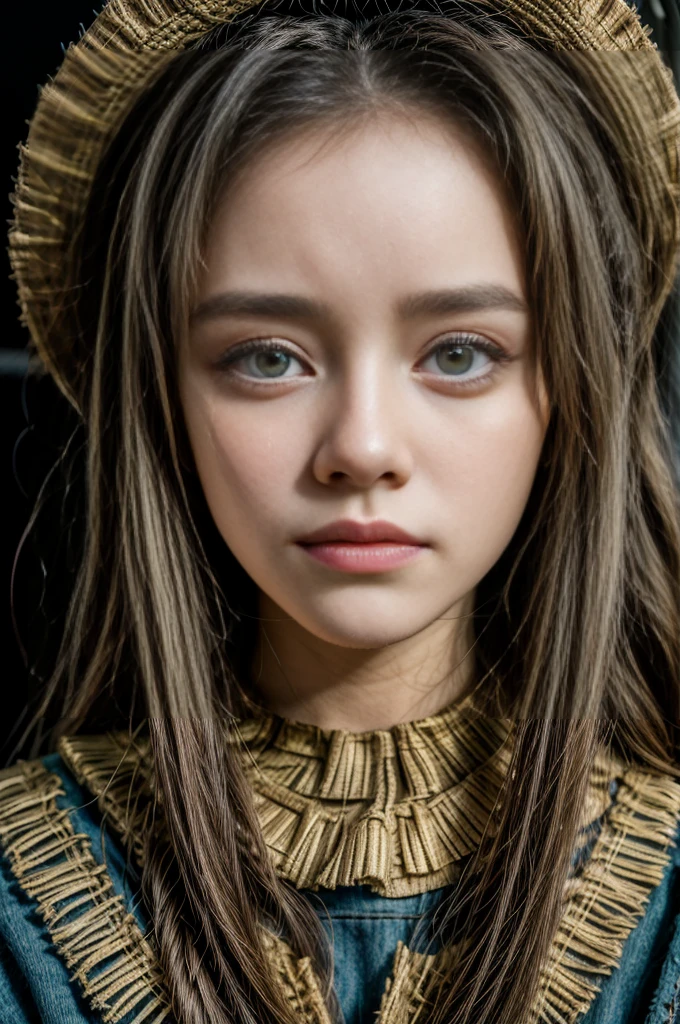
x,y
641,856
71,925
45,808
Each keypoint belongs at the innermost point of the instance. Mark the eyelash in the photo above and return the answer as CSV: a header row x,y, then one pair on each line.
x,y
455,340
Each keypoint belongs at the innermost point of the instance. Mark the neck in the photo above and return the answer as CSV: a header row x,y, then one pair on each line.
x,y
305,679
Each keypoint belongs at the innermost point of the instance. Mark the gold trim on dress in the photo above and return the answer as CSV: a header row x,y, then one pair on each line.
x,y
118,969
98,939
604,900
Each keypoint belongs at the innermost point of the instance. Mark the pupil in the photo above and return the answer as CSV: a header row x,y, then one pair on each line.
x,y
457,358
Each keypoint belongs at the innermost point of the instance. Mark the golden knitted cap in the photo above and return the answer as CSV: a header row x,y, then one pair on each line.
x,y
131,41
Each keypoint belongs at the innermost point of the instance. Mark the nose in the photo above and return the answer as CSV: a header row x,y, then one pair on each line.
x,y
365,429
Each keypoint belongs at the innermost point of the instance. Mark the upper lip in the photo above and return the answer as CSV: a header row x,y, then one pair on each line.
x,y
359,533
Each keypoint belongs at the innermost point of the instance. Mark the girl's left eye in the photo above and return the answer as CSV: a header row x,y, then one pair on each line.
x,y
466,359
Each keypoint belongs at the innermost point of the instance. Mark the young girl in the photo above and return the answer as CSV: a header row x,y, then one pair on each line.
x,y
380,579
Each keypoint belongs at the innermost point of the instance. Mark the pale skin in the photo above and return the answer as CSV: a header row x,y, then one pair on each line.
x,y
358,416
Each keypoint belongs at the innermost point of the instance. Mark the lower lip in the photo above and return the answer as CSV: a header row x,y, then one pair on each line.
x,y
363,557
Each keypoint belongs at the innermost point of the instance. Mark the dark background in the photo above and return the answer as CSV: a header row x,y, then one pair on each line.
x,y
35,419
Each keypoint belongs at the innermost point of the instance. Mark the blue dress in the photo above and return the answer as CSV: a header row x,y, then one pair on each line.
x,y
366,928
58,914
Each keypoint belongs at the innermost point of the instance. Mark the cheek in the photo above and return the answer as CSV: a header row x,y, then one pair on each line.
x,y
243,465
491,463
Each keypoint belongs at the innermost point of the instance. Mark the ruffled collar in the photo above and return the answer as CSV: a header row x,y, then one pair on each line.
x,y
396,810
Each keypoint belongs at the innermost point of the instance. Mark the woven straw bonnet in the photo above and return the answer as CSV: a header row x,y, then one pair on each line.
x,y
132,41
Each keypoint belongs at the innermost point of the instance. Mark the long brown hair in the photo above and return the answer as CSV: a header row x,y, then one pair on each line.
x,y
578,624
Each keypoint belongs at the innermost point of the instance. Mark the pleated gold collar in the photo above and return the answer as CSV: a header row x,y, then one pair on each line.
x,y
396,809
393,809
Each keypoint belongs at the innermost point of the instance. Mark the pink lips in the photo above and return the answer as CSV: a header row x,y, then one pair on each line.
x,y
350,530
362,547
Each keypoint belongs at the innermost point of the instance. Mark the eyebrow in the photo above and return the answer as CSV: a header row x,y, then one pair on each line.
x,y
471,298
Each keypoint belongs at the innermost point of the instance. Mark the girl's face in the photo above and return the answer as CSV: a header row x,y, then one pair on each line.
x,y
367,261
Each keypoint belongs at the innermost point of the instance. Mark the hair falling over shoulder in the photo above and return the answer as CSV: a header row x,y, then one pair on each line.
x,y
578,629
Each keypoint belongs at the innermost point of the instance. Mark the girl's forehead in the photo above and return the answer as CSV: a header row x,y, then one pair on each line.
x,y
390,199
399,140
